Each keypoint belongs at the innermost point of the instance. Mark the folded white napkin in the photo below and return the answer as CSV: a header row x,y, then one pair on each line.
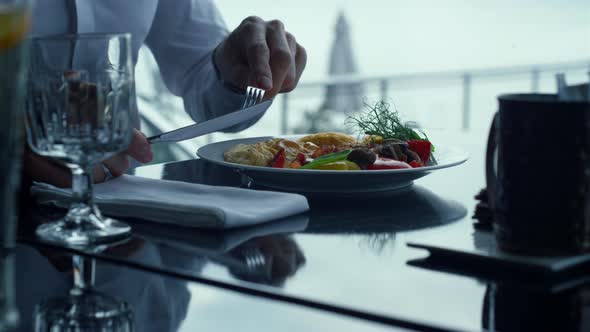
x,y
181,203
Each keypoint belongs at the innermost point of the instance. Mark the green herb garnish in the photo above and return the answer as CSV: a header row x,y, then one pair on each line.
x,y
380,120
327,159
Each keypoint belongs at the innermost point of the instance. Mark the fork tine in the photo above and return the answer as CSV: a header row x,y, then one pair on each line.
x,y
248,97
259,96
253,96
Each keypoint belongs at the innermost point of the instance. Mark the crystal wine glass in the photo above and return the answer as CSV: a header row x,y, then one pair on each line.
x,y
80,111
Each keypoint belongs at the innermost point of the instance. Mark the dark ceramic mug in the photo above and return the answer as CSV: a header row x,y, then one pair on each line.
x,y
538,174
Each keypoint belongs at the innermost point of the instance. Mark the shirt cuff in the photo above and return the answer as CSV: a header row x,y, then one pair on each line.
x,y
226,85
206,96
230,97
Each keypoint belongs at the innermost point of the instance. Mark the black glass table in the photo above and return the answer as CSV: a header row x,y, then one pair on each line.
x,y
161,303
346,261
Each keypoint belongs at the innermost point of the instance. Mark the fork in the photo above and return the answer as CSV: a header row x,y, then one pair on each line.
x,y
253,96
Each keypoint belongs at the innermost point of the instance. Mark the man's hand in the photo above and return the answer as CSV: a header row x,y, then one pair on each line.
x,y
261,54
41,169
139,149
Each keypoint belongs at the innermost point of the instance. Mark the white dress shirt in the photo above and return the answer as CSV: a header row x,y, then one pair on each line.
x,y
181,34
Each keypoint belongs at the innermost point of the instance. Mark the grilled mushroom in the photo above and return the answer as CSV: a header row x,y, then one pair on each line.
x,y
362,157
394,149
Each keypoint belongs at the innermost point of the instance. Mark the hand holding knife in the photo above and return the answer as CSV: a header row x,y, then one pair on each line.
x,y
252,108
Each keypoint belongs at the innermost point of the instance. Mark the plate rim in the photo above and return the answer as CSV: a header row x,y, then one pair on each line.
x,y
315,171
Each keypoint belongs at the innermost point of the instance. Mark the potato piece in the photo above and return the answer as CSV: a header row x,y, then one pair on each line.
x,y
258,154
337,139
372,139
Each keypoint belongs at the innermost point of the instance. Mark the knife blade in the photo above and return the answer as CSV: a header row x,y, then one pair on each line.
x,y
210,126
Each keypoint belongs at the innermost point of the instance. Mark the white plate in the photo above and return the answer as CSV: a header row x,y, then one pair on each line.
x,y
309,180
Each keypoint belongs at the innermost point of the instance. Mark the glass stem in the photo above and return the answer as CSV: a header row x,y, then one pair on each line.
x,y
83,205
82,186
83,274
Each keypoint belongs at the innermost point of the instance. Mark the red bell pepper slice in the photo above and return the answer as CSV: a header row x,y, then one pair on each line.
x,y
422,148
279,159
416,163
301,158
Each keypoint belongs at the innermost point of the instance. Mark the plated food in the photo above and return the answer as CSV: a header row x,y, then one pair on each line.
x,y
326,181
333,151
387,144
388,155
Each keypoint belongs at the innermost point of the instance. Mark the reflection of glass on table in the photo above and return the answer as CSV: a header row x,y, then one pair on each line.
x,y
84,309
80,111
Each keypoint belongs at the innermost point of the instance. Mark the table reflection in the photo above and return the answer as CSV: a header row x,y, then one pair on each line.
x,y
188,251
268,253
198,171
132,291
88,311
376,218
411,208
312,256
277,257
515,307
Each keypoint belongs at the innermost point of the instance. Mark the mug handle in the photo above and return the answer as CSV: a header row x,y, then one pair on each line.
x,y
491,176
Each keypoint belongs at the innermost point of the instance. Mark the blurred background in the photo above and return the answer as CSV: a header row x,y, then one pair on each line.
x,y
439,63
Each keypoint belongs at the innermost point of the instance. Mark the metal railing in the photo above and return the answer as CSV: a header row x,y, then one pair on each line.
x,y
429,79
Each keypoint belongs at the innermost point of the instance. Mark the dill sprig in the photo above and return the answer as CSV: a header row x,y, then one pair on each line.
x,y
382,121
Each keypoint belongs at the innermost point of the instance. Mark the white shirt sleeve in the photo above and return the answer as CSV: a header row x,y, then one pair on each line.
x,y
182,38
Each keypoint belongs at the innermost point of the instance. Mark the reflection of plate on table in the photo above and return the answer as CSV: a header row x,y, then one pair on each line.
x,y
403,210
308,180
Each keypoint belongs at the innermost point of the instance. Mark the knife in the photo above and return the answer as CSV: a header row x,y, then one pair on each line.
x,y
213,125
